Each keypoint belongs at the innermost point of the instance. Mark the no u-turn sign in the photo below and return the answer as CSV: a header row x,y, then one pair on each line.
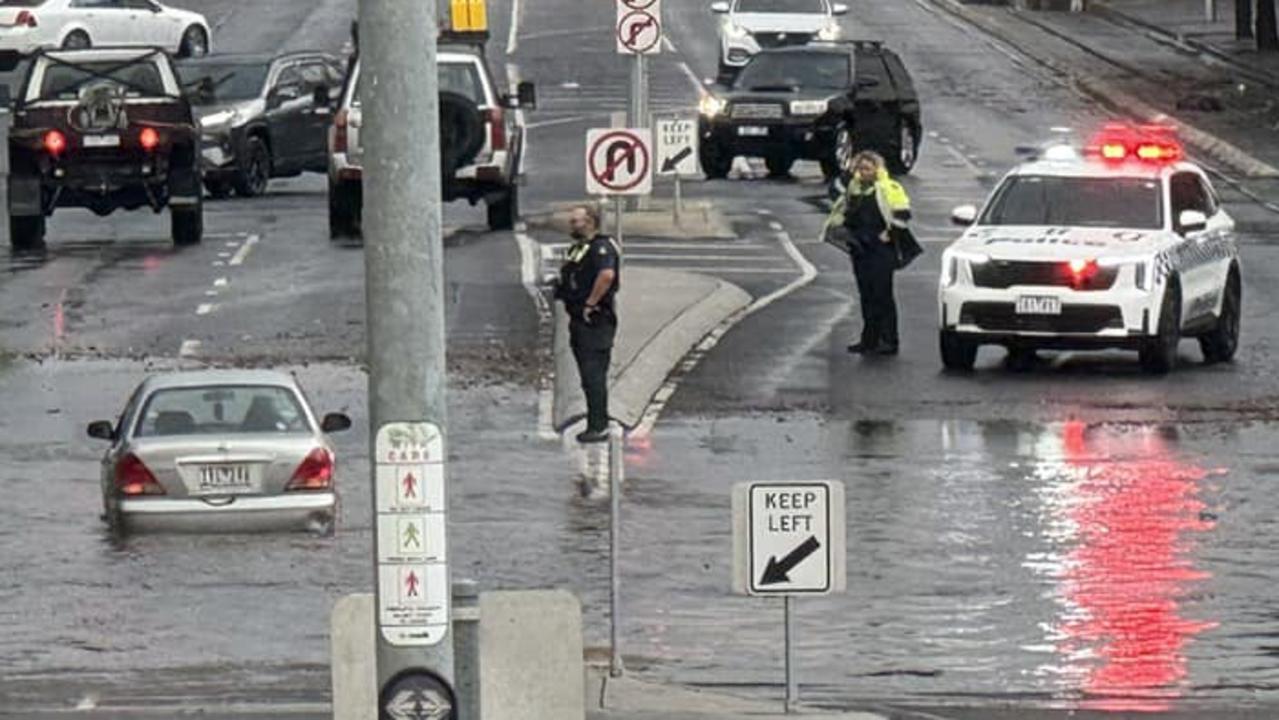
x,y
619,161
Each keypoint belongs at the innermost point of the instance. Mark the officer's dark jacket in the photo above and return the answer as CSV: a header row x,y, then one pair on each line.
x,y
584,262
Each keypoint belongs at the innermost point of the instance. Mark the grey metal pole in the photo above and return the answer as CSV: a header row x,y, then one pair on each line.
x,y
1210,10
678,205
792,685
404,285
466,648
616,467
619,210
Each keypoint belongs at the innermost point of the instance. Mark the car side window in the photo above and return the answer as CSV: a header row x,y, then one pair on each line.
x,y
288,77
1188,193
95,4
312,75
1210,198
138,4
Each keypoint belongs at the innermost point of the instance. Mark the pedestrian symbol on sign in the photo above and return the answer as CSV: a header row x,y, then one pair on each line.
x,y
410,584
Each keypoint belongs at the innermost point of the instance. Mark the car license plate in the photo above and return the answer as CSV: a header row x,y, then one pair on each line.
x,y
224,478
752,131
1038,305
99,141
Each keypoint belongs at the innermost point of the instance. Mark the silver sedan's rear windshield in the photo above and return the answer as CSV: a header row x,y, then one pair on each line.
x,y
222,410
1109,202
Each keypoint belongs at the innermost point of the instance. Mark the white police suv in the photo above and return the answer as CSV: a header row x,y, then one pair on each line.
x,y
1119,244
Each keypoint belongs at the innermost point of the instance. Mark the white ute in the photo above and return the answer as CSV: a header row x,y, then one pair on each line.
x,y
1120,244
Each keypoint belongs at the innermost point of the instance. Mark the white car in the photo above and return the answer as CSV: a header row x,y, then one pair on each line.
x,y
749,26
1122,244
30,25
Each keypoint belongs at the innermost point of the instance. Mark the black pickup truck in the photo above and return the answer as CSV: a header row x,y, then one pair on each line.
x,y
820,101
102,129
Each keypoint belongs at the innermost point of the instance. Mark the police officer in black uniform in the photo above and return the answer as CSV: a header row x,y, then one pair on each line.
x,y
587,286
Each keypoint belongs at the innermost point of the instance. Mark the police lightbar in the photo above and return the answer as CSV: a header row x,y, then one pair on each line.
x,y
1118,142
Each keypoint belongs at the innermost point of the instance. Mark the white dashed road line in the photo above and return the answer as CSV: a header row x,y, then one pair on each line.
x,y
205,308
190,348
244,251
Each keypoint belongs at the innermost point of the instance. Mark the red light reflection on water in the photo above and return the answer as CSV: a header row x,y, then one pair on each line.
x,y
1134,507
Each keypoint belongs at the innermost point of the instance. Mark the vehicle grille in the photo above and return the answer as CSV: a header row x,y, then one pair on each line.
x,y
1003,274
757,111
1003,317
774,39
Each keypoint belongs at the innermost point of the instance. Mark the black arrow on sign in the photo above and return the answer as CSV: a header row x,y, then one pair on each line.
x,y
779,572
675,159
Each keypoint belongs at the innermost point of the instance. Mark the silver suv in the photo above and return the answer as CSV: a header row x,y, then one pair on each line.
x,y
482,141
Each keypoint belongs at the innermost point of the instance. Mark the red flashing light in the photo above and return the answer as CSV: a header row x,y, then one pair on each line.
x,y
55,142
26,17
1081,271
315,472
149,139
1153,144
497,129
133,478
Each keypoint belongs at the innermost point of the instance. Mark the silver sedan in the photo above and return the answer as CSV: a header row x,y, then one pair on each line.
x,y
222,451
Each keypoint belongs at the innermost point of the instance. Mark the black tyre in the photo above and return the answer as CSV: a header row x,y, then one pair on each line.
x,y
779,165
187,224
716,161
1158,354
218,189
255,171
344,211
77,40
902,151
461,132
957,352
1222,342
26,232
844,149
504,212
195,43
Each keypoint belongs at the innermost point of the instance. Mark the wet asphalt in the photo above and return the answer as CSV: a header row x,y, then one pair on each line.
x,y
1069,537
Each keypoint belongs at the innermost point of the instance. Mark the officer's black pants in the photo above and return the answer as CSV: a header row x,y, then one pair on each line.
x,y
874,267
593,350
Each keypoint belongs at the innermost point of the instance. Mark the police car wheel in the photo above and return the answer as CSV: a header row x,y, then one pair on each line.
x,y
901,153
957,352
1220,344
1159,354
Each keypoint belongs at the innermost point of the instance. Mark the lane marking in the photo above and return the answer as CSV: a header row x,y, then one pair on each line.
x,y
512,37
205,308
224,255
700,258
190,348
530,264
244,251
210,293
221,282
808,272
683,66
561,121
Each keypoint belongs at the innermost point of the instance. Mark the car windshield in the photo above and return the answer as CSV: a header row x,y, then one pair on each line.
x,y
1133,203
138,77
215,83
22,3
781,6
222,410
793,71
461,78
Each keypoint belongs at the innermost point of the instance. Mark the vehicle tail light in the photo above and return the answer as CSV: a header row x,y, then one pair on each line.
x,y
340,123
149,139
497,129
133,477
55,142
315,472
26,17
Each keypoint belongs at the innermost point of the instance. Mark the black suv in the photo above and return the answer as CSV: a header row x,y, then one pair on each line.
x,y
102,129
819,102
262,116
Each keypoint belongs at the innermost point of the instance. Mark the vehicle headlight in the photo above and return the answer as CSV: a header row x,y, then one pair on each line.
x,y
711,106
808,107
736,31
830,32
950,264
1141,270
219,119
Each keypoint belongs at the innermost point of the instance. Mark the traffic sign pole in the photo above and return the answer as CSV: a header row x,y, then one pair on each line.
x,y
792,684
404,280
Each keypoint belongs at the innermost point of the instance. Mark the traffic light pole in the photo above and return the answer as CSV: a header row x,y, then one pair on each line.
x,y
404,279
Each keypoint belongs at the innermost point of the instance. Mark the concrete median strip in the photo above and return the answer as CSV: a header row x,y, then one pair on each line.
x,y
663,314
1217,149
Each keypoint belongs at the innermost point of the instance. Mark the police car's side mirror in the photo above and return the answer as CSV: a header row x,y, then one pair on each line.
x,y
839,9
964,215
1192,221
719,8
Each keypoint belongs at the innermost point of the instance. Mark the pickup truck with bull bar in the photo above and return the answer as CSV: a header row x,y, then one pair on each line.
x,y
104,129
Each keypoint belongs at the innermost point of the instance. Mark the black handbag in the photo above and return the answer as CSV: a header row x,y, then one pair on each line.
x,y
907,247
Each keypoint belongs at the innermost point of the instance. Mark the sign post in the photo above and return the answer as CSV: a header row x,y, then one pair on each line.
x,y
789,540
639,34
676,153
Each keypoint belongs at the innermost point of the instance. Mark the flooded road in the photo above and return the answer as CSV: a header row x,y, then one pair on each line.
x,y
1104,566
